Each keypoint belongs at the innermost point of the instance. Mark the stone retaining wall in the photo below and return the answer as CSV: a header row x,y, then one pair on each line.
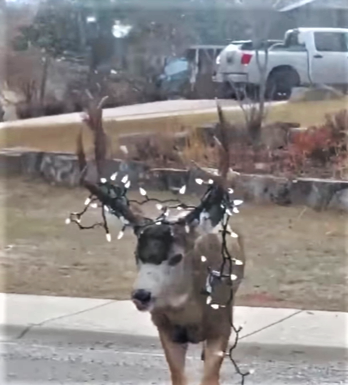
x,y
62,168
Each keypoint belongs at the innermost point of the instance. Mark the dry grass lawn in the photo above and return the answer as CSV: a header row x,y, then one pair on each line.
x,y
296,258
62,137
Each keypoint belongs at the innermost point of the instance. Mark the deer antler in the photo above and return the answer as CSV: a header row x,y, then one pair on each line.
x,y
110,196
225,174
93,119
81,156
216,200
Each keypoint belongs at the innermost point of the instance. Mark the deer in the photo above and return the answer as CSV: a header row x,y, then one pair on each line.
x,y
172,257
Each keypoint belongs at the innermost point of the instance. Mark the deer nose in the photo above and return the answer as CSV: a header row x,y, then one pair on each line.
x,y
143,296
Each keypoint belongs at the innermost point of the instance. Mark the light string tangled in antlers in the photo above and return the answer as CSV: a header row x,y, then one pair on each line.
x,y
112,198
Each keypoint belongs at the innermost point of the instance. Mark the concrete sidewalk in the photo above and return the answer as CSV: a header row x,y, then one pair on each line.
x,y
25,314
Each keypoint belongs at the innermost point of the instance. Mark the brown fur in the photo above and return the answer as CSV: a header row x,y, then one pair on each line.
x,y
195,321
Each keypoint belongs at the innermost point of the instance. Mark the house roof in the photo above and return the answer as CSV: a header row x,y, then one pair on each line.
x,y
288,5
279,5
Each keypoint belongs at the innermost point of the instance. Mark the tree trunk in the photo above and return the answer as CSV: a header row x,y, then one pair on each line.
x,y
43,83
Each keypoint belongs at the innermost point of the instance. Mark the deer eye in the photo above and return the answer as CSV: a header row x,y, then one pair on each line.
x,y
175,260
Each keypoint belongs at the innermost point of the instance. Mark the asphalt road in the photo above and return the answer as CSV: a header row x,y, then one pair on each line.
x,y
127,360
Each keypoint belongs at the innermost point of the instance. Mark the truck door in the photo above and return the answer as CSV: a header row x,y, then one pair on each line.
x,y
329,58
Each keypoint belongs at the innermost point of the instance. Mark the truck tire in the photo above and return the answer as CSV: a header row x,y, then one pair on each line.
x,y
280,83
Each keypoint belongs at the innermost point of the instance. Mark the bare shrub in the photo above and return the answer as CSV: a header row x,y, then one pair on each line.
x,y
323,146
155,149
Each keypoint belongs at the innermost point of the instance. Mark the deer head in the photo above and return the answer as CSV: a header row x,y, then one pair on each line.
x,y
164,244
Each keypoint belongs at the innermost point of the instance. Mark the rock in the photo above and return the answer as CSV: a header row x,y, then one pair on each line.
x,y
340,200
10,163
317,93
315,193
60,168
263,189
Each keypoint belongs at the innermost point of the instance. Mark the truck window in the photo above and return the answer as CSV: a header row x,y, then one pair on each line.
x,y
292,43
331,41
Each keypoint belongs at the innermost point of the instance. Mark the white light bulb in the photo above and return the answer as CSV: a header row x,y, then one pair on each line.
x,y
166,213
199,181
251,371
124,179
120,235
187,229
114,176
103,180
230,191
127,185
210,181
220,353
87,201
237,202
108,237
215,306
235,210
179,208
209,299
124,149
106,208
238,262
159,206
94,205
234,235
203,258
67,221
182,190
234,277
228,212
142,191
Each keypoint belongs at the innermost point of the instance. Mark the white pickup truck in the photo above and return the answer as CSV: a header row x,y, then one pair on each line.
x,y
306,56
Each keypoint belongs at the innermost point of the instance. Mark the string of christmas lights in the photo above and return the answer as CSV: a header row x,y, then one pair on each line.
x,y
112,198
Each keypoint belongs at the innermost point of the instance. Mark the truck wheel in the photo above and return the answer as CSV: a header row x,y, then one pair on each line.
x,y
280,83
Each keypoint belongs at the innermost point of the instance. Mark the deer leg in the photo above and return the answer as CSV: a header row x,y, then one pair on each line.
x,y
175,355
202,354
214,351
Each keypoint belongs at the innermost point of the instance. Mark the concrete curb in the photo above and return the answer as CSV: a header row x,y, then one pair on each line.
x,y
62,169
164,109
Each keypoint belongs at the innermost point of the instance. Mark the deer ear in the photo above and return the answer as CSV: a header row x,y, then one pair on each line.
x,y
205,217
208,220
175,259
